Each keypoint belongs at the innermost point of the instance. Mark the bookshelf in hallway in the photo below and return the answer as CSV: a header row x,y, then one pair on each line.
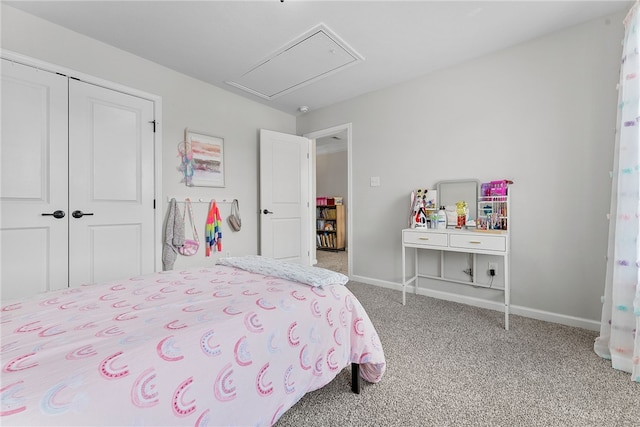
x,y
330,227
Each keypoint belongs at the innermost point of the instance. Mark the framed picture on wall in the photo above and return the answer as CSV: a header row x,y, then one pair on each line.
x,y
207,159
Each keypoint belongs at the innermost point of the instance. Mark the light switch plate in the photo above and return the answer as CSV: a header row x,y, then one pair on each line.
x,y
375,181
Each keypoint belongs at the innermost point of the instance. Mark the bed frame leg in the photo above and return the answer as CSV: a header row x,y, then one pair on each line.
x,y
355,378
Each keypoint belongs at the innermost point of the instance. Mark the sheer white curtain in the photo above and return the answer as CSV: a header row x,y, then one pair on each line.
x,y
619,338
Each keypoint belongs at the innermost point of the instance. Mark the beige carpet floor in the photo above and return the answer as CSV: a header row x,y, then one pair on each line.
x,y
450,364
335,261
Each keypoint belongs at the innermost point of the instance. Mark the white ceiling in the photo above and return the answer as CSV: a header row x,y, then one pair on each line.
x,y
219,41
332,144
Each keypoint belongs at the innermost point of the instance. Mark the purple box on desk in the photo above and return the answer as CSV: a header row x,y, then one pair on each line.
x,y
485,189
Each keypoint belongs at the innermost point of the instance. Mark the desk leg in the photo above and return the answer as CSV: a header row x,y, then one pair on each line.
x,y
404,276
507,292
416,266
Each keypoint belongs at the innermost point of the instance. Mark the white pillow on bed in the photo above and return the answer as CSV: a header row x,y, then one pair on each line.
x,y
312,276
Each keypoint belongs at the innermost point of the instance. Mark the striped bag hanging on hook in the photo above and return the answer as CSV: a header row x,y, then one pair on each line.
x,y
213,230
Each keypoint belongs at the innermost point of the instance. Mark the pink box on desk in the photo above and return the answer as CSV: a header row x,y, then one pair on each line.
x,y
498,188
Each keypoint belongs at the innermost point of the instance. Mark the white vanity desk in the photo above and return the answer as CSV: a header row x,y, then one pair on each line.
x,y
457,240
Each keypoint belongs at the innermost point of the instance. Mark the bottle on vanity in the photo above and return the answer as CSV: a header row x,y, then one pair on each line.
x,y
442,219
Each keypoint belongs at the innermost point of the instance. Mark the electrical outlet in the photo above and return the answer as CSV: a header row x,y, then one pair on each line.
x,y
492,266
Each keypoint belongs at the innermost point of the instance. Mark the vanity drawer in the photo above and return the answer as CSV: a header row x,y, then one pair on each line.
x,y
485,243
423,238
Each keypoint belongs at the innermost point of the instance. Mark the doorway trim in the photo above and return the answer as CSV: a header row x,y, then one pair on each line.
x,y
157,143
312,193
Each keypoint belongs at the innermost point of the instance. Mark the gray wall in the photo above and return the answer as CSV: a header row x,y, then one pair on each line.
x,y
331,174
186,103
542,114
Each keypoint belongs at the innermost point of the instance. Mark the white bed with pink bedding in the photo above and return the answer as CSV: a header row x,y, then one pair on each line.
x,y
212,346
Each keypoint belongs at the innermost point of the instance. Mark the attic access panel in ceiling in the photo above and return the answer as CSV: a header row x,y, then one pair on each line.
x,y
316,54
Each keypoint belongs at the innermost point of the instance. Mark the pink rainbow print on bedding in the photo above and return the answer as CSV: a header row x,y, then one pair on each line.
x,y
179,348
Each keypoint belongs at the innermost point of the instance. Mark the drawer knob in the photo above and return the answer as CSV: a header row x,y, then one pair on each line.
x,y
423,238
475,242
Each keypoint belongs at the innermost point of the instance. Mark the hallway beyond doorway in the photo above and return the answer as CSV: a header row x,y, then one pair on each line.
x,y
335,261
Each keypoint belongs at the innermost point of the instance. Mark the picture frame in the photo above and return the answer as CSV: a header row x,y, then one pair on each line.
x,y
206,155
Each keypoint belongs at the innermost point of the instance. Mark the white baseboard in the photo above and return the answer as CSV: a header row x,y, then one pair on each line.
x,y
519,310
376,282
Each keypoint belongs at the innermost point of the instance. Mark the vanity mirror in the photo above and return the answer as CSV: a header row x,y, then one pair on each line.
x,y
451,192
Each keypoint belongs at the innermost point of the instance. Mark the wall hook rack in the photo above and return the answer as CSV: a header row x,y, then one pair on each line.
x,y
180,199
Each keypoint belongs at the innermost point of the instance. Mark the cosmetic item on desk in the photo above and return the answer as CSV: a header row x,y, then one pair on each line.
x,y
442,219
462,212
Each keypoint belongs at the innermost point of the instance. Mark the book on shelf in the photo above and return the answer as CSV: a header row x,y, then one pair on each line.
x,y
327,213
326,240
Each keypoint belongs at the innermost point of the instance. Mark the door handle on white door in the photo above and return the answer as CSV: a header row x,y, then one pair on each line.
x,y
80,214
266,212
55,214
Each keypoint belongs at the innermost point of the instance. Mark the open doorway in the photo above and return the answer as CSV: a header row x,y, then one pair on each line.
x,y
331,175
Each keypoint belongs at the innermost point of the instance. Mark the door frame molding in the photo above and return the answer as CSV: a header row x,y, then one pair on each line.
x,y
157,141
312,182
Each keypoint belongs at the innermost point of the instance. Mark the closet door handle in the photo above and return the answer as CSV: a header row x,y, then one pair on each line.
x,y
55,214
80,214
266,212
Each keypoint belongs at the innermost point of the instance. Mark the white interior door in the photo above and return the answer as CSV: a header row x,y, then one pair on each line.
x,y
111,185
285,228
33,246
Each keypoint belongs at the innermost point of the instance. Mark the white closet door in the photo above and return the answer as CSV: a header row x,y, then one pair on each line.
x,y
33,247
111,180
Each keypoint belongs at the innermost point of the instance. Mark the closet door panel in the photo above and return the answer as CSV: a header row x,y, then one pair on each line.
x,y
115,141
127,238
34,162
111,182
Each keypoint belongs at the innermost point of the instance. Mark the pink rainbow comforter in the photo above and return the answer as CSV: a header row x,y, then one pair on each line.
x,y
213,346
